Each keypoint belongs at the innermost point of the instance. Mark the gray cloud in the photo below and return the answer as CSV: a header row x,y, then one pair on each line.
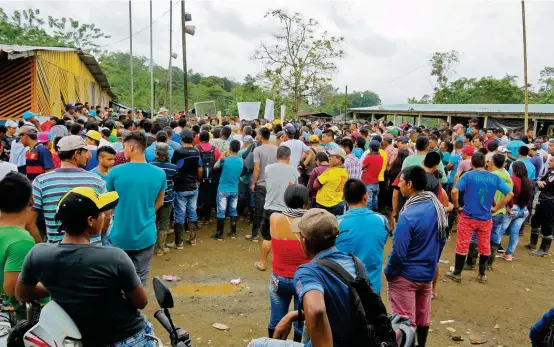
x,y
388,43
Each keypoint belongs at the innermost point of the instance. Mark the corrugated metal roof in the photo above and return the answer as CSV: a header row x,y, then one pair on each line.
x,y
461,108
17,51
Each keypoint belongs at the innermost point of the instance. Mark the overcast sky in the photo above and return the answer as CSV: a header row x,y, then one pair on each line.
x,y
388,43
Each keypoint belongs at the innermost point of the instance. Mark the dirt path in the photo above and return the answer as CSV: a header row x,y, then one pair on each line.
x,y
500,311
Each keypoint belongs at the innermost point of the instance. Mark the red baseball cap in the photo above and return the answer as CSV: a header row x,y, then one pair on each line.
x,y
469,150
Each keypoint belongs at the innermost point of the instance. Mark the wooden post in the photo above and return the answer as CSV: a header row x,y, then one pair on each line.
x,y
419,117
394,119
449,120
485,122
372,117
354,116
526,95
535,124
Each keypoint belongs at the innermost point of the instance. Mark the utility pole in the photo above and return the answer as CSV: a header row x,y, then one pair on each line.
x,y
151,68
184,44
526,96
345,102
170,52
131,58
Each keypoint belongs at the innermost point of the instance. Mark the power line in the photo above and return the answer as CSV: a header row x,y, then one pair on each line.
x,y
141,30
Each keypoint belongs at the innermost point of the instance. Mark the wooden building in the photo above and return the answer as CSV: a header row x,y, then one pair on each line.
x,y
508,116
45,79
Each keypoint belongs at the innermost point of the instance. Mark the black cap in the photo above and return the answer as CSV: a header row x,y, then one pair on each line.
x,y
296,196
187,136
493,145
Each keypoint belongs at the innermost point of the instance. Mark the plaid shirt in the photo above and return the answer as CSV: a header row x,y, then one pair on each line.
x,y
353,166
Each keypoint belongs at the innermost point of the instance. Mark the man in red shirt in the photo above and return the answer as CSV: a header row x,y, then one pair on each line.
x,y
371,167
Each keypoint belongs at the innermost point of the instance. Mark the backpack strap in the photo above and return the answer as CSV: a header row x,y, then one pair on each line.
x,y
338,270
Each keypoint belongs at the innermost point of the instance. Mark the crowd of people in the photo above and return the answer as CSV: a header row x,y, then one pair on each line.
x,y
94,194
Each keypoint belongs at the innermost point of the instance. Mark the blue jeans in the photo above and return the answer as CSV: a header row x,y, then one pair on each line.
x,y
281,291
139,339
372,196
512,224
266,342
337,210
227,202
185,203
497,229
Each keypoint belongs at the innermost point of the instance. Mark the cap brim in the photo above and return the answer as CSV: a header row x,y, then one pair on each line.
x,y
107,201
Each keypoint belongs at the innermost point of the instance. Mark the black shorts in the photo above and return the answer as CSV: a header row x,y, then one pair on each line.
x,y
265,228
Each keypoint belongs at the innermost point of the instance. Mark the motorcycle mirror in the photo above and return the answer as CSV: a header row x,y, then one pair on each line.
x,y
163,294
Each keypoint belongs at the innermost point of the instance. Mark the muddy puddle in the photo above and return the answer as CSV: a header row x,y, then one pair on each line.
x,y
191,289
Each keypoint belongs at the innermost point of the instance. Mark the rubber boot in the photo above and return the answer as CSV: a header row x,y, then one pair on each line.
x,y
544,248
456,275
471,257
179,233
193,227
422,333
233,232
250,214
219,231
494,248
533,239
270,332
161,248
483,260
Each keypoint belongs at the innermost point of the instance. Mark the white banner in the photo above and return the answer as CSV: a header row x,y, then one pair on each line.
x,y
283,109
269,111
248,110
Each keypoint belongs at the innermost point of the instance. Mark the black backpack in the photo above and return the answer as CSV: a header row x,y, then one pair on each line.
x,y
208,162
374,326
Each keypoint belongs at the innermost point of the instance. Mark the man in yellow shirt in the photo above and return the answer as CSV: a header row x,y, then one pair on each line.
x,y
331,182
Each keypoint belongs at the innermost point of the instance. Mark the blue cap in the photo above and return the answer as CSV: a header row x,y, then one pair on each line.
x,y
289,128
402,139
28,114
247,138
374,144
69,106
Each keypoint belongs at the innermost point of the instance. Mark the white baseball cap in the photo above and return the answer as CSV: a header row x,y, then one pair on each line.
x,y
11,124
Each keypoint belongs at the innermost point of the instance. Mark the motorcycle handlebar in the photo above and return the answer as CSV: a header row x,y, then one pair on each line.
x,y
164,321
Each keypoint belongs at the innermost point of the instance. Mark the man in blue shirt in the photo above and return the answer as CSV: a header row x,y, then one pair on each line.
x,y
523,153
325,299
354,235
453,163
416,249
514,145
228,189
479,188
141,188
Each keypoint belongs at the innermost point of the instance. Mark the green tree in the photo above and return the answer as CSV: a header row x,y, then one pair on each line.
x,y
301,59
26,27
442,66
425,99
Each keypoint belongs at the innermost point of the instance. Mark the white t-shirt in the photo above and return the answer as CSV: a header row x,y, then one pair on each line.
x,y
297,147
6,167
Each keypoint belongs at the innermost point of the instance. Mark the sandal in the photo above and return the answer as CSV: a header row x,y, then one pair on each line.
x,y
257,266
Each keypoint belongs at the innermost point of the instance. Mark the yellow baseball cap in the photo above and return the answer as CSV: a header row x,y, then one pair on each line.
x,y
84,202
93,134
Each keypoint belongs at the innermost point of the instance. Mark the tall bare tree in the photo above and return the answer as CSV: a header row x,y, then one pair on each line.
x,y
301,59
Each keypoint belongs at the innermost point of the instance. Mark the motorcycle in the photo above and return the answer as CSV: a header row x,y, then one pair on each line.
x,y
179,337
54,328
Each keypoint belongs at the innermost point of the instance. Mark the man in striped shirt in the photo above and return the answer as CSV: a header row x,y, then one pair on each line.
x,y
164,213
50,187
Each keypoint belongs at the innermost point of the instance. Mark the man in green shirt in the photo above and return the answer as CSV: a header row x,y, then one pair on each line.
x,y
422,147
15,241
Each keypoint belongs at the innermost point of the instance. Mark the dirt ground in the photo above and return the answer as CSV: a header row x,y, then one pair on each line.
x,y
500,311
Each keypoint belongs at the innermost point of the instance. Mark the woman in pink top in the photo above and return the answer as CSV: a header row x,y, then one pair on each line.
x,y
287,257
